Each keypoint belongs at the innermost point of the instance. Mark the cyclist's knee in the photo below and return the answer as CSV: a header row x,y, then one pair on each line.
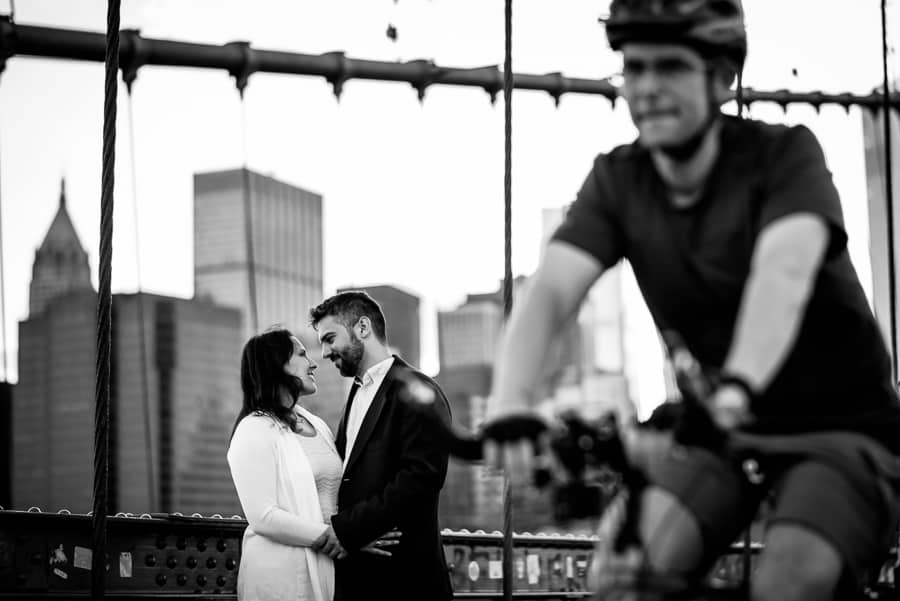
x,y
671,534
797,565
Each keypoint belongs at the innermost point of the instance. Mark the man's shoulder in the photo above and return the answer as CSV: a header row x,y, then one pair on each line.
x,y
401,370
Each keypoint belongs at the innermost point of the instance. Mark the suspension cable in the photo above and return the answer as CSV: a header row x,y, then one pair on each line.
x,y
104,305
507,276
888,192
248,221
2,287
142,334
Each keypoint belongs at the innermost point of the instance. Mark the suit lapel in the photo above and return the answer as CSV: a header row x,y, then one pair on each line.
x,y
372,415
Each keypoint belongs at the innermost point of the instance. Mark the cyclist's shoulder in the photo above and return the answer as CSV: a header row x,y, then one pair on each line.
x,y
624,154
619,162
767,138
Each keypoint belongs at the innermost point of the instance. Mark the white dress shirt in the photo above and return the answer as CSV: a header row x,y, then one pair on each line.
x,y
368,386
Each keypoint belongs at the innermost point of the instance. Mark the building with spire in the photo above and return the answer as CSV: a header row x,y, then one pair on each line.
x,y
61,262
53,412
174,393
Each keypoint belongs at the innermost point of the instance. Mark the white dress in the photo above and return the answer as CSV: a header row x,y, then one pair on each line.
x,y
276,472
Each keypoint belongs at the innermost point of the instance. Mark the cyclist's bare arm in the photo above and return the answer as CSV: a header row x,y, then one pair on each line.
x,y
554,294
785,264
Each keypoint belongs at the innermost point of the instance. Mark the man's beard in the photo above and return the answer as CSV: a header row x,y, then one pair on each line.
x,y
351,357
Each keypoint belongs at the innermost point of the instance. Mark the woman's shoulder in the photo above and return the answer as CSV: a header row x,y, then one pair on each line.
x,y
259,423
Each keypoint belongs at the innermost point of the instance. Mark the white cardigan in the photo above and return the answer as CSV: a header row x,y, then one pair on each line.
x,y
277,490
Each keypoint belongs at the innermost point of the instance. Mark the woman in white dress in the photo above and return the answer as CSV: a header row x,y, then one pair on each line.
x,y
286,470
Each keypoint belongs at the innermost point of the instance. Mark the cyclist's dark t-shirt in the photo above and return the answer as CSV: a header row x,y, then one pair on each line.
x,y
692,264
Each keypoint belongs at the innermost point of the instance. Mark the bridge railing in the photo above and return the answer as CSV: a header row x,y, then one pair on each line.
x,y
48,556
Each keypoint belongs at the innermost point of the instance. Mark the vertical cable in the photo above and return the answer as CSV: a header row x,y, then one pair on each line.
x,y
248,223
507,276
3,287
507,168
888,191
142,334
104,306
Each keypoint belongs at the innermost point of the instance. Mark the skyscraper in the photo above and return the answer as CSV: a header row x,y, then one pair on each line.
x,y
191,365
468,335
401,312
6,395
466,499
53,413
280,273
284,278
61,263
166,454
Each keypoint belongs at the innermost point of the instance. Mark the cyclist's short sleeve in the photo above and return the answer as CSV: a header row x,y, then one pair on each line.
x,y
799,182
592,222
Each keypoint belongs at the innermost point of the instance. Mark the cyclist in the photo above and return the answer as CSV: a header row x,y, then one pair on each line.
x,y
734,230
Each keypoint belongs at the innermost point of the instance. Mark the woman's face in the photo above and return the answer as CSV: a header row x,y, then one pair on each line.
x,y
301,366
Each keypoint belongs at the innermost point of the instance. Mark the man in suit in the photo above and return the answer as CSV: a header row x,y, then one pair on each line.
x,y
393,472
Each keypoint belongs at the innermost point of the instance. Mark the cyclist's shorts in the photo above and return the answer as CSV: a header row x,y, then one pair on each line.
x,y
841,485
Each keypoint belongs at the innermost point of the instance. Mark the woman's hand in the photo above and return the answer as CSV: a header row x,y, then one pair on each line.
x,y
329,544
388,539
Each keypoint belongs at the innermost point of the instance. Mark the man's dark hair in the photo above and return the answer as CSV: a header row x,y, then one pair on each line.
x,y
347,307
263,379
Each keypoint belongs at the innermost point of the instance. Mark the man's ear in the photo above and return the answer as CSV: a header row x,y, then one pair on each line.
x,y
365,326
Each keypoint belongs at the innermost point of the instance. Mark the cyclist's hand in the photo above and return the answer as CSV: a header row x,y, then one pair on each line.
x,y
516,443
644,446
729,407
515,458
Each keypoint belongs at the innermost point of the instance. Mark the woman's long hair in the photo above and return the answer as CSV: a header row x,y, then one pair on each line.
x,y
263,379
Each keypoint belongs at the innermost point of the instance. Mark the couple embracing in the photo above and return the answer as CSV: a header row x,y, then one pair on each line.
x,y
346,518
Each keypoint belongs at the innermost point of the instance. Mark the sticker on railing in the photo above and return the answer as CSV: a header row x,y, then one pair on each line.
x,y
82,558
474,571
495,569
533,566
125,564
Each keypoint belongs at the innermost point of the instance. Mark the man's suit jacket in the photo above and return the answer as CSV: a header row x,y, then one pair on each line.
x,y
392,480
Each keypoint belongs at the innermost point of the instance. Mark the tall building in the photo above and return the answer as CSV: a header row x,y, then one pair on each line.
x,y
6,396
189,365
876,179
468,335
61,263
465,498
285,275
53,413
401,312
285,226
166,454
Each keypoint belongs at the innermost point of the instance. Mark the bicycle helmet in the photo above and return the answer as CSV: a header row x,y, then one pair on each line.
x,y
714,28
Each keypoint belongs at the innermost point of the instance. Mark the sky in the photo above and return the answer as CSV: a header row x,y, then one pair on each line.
x,y
413,191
